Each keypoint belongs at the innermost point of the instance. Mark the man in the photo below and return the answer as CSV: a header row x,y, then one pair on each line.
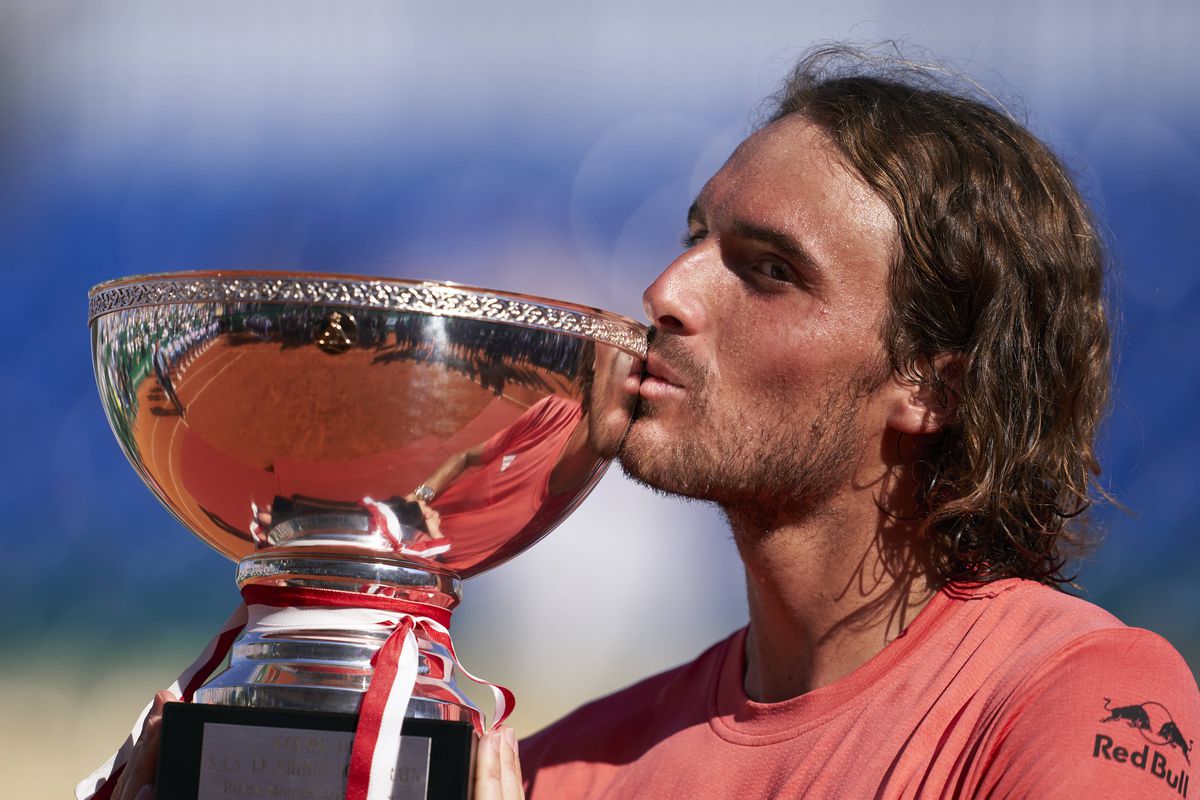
x,y
884,353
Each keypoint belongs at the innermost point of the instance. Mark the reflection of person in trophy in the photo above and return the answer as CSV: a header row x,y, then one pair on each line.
x,y
614,379
162,371
884,354
509,479
410,528
398,525
531,470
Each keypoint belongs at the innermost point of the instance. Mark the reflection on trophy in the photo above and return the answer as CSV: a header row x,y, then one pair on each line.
x,y
359,446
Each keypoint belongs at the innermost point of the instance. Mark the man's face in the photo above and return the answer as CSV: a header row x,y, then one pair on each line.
x,y
764,383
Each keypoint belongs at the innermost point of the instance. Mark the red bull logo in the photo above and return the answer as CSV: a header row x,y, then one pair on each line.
x,y
1157,728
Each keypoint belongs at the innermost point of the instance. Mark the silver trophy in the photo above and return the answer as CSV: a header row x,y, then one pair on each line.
x,y
351,437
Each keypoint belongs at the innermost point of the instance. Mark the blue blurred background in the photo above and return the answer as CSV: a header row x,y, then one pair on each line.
x,y
544,148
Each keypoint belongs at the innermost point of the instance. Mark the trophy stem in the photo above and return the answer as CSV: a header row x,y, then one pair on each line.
x,y
309,659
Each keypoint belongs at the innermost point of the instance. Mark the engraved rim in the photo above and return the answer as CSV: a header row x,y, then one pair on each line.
x,y
395,294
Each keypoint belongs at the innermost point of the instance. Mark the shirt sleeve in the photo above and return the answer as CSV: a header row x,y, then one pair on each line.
x,y
1114,714
504,440
494,447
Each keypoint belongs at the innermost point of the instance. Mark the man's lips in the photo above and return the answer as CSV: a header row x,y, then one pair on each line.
x,y
659,380
659,369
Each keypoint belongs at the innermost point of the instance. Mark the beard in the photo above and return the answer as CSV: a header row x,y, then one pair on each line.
x,y
763,458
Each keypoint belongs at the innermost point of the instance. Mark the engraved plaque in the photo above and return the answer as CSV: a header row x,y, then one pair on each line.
x,y
249,761
218,752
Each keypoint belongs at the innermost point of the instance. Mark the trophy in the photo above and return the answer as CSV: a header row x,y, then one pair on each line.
x,y
359,446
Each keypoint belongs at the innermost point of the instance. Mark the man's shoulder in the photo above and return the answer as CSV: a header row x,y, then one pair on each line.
x,y
1024,621
1035,602
1115,711
1073,692
621,723
1091,646
1007,639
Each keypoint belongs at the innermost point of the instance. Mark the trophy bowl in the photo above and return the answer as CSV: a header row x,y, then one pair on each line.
x,y
380,437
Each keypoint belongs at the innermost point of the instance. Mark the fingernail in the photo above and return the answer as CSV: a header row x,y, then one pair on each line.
x,y
494,741
510,736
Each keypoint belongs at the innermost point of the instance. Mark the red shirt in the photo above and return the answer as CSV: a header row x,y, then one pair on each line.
x,y
1003,690
486,512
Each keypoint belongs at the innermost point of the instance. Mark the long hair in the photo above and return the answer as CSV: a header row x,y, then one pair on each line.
x,y
999,279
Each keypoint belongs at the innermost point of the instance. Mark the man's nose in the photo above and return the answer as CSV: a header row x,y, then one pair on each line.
x,y
674,303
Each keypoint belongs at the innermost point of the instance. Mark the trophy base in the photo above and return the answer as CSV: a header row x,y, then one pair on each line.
x,y
212,752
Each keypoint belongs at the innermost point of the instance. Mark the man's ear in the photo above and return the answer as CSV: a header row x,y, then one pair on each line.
x,y
928,404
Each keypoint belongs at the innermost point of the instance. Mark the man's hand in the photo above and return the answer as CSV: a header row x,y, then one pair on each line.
x,y
137,779
433,521
497,768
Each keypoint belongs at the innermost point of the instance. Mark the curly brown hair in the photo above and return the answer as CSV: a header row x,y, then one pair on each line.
x,y
999,274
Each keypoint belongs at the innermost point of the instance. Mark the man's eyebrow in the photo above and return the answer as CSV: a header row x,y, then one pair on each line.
x,y
694,214
787,246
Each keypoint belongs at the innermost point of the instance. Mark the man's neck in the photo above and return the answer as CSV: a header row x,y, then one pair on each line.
x,y
826,594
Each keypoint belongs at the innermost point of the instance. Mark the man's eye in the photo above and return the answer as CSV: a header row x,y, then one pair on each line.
x,y
775,270
691,238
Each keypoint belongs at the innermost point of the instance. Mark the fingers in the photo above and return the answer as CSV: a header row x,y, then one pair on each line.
x,y
138,775
497,767
487,768
433,520
510,767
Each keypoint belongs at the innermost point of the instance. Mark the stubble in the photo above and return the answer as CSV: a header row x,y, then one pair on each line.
x,y
764,460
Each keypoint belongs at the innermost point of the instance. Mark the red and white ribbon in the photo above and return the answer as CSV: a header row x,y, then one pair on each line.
x,y
381,714
101,783
384,522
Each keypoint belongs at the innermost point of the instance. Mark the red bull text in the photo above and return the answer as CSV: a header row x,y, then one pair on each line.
x,y
1149,759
